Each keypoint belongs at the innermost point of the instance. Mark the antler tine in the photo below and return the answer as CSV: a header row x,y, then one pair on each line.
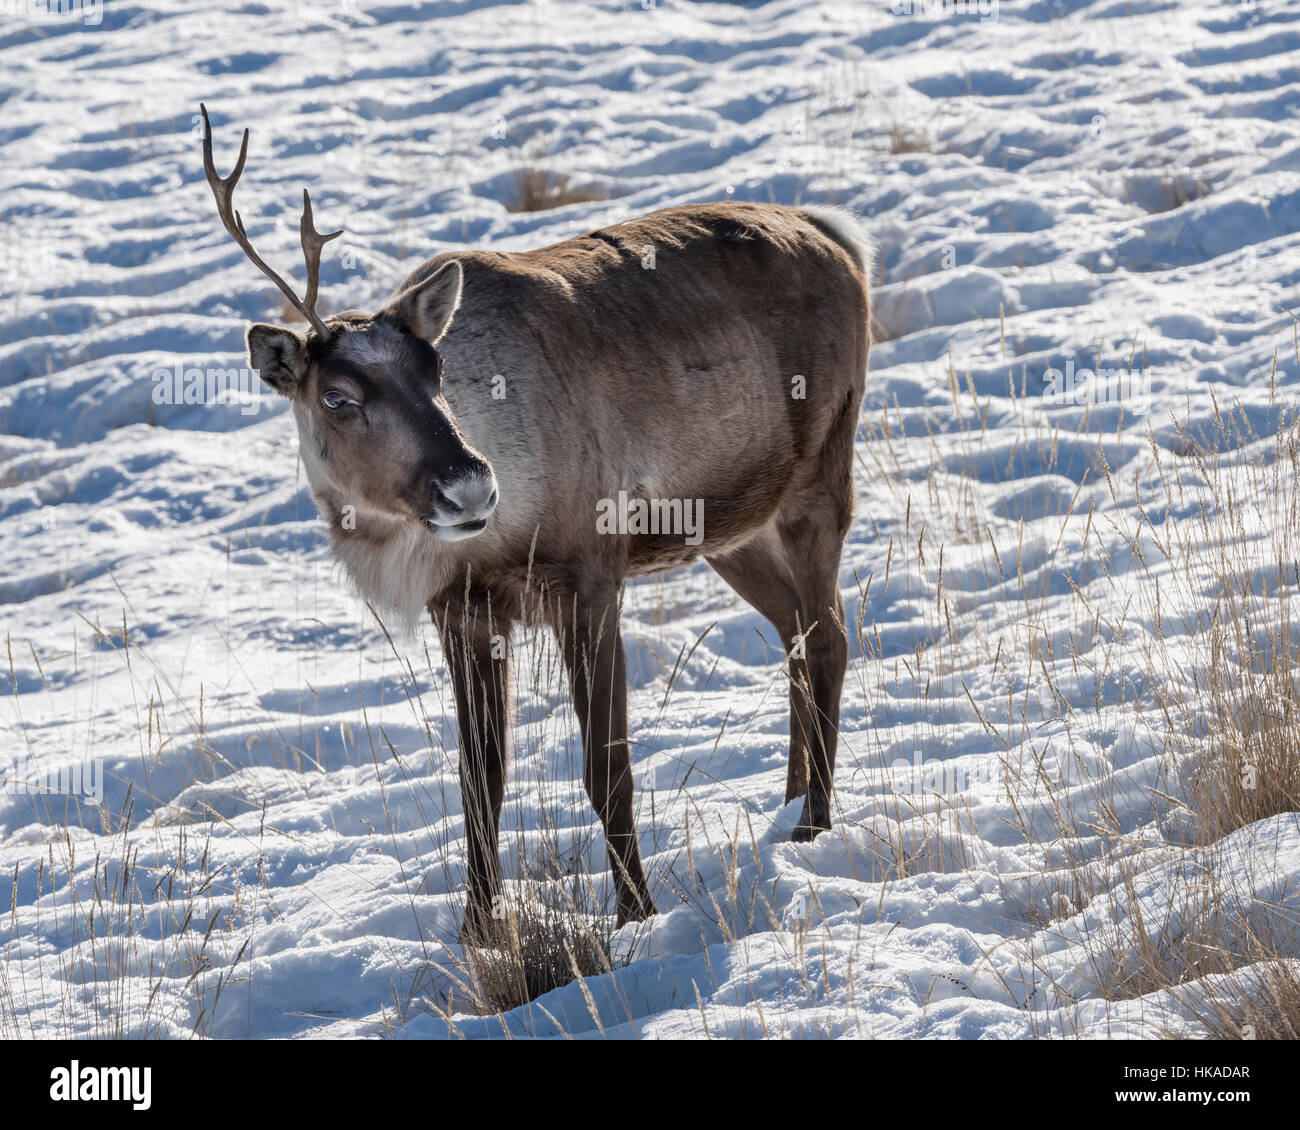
x,y
223,189
312,242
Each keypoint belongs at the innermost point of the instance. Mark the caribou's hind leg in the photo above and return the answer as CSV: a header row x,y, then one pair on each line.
x,y
585,622
790,574
761,573
826,657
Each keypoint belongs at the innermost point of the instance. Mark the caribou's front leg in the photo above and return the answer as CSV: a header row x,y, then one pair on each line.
x,y
474,643
586,625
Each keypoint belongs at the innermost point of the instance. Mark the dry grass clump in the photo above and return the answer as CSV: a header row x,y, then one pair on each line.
x,y
1166,190
538,188
1252,770
1263,1003
548,935
289,313
1197,934
904,138
1239,728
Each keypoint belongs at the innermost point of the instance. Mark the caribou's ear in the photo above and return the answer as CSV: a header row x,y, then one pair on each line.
x,y
428,306
278,355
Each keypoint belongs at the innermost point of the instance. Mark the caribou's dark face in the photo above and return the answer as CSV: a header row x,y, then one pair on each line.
x,y
375,432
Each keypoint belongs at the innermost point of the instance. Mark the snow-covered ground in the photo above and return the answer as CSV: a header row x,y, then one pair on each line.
x,y
1055,185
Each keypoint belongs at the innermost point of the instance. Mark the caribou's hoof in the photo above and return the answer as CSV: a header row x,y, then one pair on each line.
x,y
813,821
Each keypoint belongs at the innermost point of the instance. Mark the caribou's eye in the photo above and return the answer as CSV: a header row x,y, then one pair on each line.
x,y
334,400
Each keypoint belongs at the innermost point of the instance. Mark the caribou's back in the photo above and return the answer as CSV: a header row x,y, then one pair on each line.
x,y
700,352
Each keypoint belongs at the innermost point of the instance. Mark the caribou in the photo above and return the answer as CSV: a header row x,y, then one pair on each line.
x,y
464,442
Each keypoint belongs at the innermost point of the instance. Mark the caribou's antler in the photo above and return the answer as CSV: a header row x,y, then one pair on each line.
x,y
312,240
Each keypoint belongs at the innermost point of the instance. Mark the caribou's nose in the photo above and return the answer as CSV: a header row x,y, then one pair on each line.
x,y
472,497
462,505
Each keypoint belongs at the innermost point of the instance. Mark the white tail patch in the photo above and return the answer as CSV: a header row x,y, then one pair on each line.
x,y
849,231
